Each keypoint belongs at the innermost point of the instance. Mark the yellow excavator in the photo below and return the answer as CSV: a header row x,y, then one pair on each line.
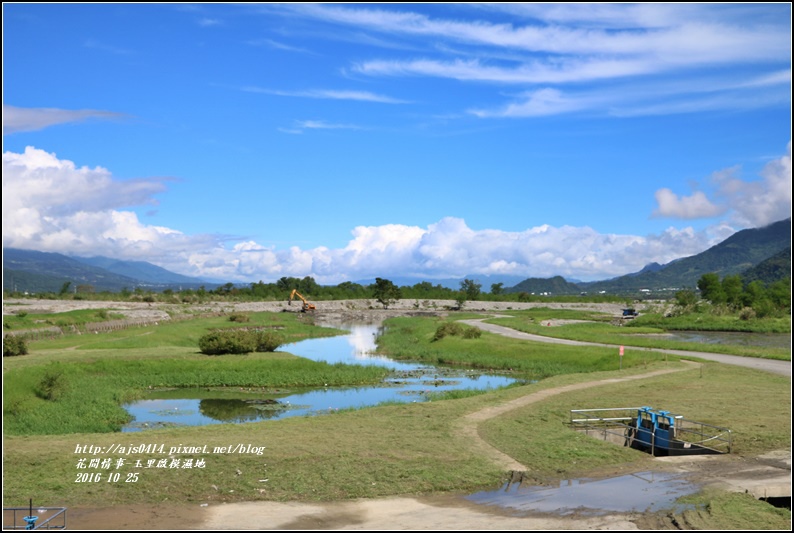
x,y
306,305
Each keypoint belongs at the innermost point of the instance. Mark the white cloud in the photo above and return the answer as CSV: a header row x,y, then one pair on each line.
x,y
595,44
680,41
41,213
750,203
50,204
686,207
761,202
321,125
537,103
330,94
16,119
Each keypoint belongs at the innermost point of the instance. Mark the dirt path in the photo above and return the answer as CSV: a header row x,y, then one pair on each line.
x,y
766,365
467,427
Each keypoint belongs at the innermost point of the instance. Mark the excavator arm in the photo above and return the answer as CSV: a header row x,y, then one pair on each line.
x,y
306,305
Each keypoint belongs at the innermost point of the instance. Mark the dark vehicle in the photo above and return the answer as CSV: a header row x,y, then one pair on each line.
x,y
630,313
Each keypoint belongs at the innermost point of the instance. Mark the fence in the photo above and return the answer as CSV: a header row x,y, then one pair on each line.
x,y
34,518
673,435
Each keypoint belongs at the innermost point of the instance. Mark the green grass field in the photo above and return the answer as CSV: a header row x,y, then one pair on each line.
x,y
380,451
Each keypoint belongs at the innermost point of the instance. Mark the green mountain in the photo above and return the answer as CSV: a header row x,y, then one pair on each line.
x,y
139,270
556,285
736,254
770,270
759,253
37,272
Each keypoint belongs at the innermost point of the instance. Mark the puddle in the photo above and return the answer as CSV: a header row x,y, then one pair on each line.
x,y
641,492
770,340
407,383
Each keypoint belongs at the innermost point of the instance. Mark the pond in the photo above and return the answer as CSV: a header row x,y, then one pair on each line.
x,y
408,382
640,492
769,340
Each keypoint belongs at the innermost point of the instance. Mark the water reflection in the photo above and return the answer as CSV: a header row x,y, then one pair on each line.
x,y
737,338
409,382
645,491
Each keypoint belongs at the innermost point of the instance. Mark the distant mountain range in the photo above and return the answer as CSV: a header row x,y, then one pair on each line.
x,y
735,255
36,272
755,254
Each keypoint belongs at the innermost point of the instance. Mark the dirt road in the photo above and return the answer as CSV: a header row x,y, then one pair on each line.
x,y
766,365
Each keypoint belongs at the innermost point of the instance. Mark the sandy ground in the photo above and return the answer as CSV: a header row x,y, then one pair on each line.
x,y
761,476
142,309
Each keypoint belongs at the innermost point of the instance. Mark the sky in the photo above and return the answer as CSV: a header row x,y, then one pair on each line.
x,y
248,142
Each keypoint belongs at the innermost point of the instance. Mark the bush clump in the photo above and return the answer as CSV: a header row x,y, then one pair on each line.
x,y
267,341
52,386
238,341
455,329
14,345
239,317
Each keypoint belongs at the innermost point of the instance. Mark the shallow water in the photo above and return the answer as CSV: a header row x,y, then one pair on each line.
x,y
641,492
770,340
409,382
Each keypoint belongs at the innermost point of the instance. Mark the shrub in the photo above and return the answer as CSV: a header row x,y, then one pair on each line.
x,y
447,328
455,329
747,313
471,333
239,317
267,341
239,341
764,308
14,345
229,341
52,386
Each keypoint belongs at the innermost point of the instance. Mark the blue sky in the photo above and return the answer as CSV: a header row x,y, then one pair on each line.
x,y
347,141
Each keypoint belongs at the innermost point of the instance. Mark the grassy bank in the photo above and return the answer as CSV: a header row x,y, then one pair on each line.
x,y
381,451
76,384
533,321
411,338
398,449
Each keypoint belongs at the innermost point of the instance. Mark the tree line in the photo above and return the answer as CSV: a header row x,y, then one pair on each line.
x,y
733,294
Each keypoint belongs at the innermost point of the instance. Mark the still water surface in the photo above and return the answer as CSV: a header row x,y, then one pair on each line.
x,y
408,382
770,340
640,492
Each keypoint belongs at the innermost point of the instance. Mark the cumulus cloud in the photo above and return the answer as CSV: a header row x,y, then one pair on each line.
x,y
52,205
687,207
761,202
750,203
16,119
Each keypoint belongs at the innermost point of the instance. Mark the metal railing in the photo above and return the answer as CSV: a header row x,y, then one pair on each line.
x,y
618,425
35,518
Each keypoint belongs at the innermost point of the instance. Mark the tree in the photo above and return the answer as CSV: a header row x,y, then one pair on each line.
x,y
65,288
732,287
385,292
780,294
460,299
753,293
471,289
686,299
497,288
711,288
287,284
